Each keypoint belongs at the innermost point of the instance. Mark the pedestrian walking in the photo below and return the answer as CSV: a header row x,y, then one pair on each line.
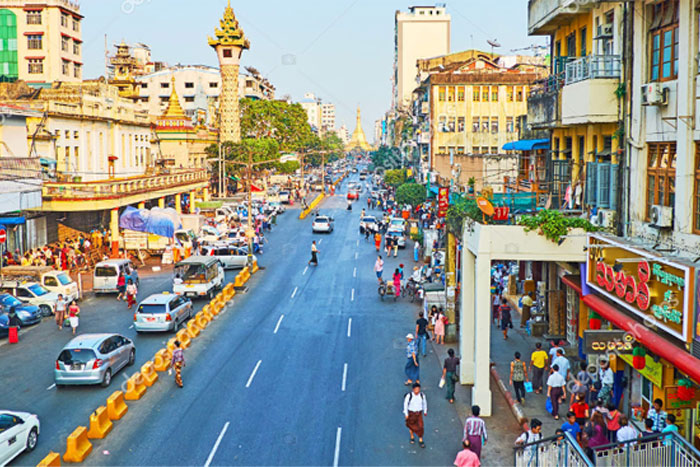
x,y
606,378
314,254
121,285
556,390
495,305
377,241
626,432
73,316
379,268
415,407
518,377
527,302
412,365
572,427
388,245
466,457
582,383
440,322
562,363
396,278
131,292
449,374
506,320
580,409
177,362
475,431
538,361
422,332
612,422
597,434
532,435
60,311
416,251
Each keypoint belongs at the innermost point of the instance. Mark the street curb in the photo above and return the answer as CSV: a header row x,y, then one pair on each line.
x,y
515,407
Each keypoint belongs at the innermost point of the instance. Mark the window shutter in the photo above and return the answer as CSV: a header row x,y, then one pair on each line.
x,y
591,175
614,185
603,185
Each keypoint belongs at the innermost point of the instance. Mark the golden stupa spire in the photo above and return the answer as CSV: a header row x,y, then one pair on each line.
x,y
358,139
229,32
174,109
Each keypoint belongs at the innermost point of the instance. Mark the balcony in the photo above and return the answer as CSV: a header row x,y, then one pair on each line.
x,y
588,95
545,16
543,102
20,167
111,193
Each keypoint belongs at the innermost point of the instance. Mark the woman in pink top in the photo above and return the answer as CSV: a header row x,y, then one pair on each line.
x,y
397,282
440,328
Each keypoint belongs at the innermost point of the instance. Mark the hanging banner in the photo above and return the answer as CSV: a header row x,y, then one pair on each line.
x,y
443,201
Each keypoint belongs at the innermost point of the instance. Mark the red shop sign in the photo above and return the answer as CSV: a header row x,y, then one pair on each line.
x,y
443,201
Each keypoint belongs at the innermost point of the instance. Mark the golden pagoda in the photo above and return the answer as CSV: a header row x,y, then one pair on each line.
x,y
174,117
124,64
358,139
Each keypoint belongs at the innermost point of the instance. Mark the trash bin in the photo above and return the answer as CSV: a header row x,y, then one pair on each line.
x,y
13,335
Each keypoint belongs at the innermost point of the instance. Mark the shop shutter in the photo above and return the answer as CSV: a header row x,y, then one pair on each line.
x,y
603,185
614,185
591,174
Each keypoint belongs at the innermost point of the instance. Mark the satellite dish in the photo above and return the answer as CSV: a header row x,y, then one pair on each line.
x,y
485,206
493,43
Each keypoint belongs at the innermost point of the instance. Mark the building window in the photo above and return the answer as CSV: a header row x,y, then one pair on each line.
x,y
442,124
165,85
476,125
77,70
451,94
76,25
64,20
75,134
460,149
485,94
189,99
36,66
34,42
66,67
441,94
664,41
494,149
228,53
65,43
451,124
519,94
661,175
494,124
460,124
485,125
442,150
66,134
163,99
189,85
34,17
509,125
460,94
509,93
583,38
76,48
213,84
475,93
494,93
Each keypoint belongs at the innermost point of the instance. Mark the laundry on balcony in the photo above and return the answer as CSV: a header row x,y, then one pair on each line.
x,y
526,145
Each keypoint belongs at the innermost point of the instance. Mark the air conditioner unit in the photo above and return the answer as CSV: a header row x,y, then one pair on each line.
x,y
606,218
654,94
661,216
606,30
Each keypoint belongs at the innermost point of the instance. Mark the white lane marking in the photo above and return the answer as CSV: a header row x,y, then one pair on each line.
x,y
51,387
336,456
355,255
354,272
131,327
252,375
345,377
216,445
320,241
295,291
278,324
305,269
357,243
352,295
349,326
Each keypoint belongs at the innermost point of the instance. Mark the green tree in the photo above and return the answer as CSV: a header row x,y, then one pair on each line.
x,y
395,177
386,157
459,211
285,123
288,167
410,193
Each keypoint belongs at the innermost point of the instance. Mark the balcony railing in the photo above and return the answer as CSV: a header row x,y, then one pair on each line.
x,y
20,167
593,67
116,188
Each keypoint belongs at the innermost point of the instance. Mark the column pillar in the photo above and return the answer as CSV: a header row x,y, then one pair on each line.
x,y
205,194
192,194
161,202
481,391
178,203
114,231
451,282
142,205
466,319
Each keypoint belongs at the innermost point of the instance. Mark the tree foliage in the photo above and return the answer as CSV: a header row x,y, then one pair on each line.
x,y
459,211
554,225
285,123
288,167
410,193
395,177
329,146
386,157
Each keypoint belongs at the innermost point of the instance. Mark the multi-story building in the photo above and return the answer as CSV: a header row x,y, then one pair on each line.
x,y
40,41
327,117
378,132
312,106
421,32
343,134
469,105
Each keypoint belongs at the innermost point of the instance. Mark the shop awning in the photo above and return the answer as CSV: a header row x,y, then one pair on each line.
x,y
679,358
526,145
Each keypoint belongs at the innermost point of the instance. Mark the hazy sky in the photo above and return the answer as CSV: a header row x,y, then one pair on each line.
x,y
341,50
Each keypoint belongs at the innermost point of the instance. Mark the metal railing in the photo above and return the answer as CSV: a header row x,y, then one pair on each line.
x,y
20,167
593,67
660,449
556,451
118,187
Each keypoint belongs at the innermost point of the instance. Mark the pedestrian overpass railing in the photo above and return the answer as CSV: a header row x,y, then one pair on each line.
x,y
667,449
556,451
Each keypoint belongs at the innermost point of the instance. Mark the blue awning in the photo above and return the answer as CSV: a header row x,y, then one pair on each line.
x,y
526,145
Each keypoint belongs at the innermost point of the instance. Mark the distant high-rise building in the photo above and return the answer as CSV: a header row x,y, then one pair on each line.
x,y
378,132
343,134
312,106
41,42
327,116
422,32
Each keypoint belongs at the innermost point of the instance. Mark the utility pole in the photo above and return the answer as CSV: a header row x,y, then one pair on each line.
x,y
220,166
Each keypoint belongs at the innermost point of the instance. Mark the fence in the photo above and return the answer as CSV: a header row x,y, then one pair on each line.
x,y
661,449
593,67
556,451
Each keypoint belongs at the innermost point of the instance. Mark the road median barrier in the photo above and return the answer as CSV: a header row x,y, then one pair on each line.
x,y
240,281
246,274
202,320
214,308
52,459
78,447
171,345
184,338
192,328
149,374
100,424
311,207
229,291
255,267
135,388
161,360
116,407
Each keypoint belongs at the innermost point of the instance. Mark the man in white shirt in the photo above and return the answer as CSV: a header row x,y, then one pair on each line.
x,y
626,432
415,406
607,379
556,389
562,362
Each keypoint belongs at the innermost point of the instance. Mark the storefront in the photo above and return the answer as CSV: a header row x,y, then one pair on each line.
x,y
650,299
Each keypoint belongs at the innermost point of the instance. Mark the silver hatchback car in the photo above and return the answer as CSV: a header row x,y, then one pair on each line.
x,y
162,312
93,359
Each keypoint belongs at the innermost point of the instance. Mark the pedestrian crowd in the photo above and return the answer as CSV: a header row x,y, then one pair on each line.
x,y
66,255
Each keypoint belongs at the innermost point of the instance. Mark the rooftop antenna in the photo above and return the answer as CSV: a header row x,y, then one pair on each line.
x,y
493,43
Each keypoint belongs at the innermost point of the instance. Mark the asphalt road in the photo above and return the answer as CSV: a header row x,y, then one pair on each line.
x,y
304,369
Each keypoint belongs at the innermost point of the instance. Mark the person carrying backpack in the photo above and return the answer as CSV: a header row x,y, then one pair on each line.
x,y
518,376
415,407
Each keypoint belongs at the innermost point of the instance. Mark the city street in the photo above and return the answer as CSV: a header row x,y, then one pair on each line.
x,y
306,368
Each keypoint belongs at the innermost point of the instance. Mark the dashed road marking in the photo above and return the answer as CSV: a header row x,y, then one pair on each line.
x,y
352,295
349,326
278,324
336,456
216,445
252,375
51,387
305,269
345,377
295,291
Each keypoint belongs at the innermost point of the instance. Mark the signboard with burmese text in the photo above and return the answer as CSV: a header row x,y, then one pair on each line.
x,y
655,289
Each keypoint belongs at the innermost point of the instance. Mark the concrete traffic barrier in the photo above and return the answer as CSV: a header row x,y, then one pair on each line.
x,y
116,407
100,424
192,329
53,459
240,281
214,308
255,267
202,320
206,311
171,345
78,447
148,374
184,338
246,274
161,360
135,388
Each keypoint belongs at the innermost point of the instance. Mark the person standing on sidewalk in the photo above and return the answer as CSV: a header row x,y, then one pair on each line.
x,y
449,374
538,362
440,327
379,268
506,321
475,431
415,407
556,389
518,376
412,369
60,311
177,362
527,306
422,332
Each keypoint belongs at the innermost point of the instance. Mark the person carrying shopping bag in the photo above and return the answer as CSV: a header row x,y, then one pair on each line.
x,y
131,292
73,313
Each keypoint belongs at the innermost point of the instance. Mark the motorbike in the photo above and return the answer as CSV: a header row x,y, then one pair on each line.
x,y
387,289
412,289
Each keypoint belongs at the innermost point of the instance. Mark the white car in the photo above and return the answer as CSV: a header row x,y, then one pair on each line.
x,y
284,197
322,224
32,293
397,223
18,431
229,256
368,222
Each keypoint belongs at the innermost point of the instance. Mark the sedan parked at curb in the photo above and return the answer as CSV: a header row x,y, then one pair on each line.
x,y
27,314
322,224
19,431
162,312
93,359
